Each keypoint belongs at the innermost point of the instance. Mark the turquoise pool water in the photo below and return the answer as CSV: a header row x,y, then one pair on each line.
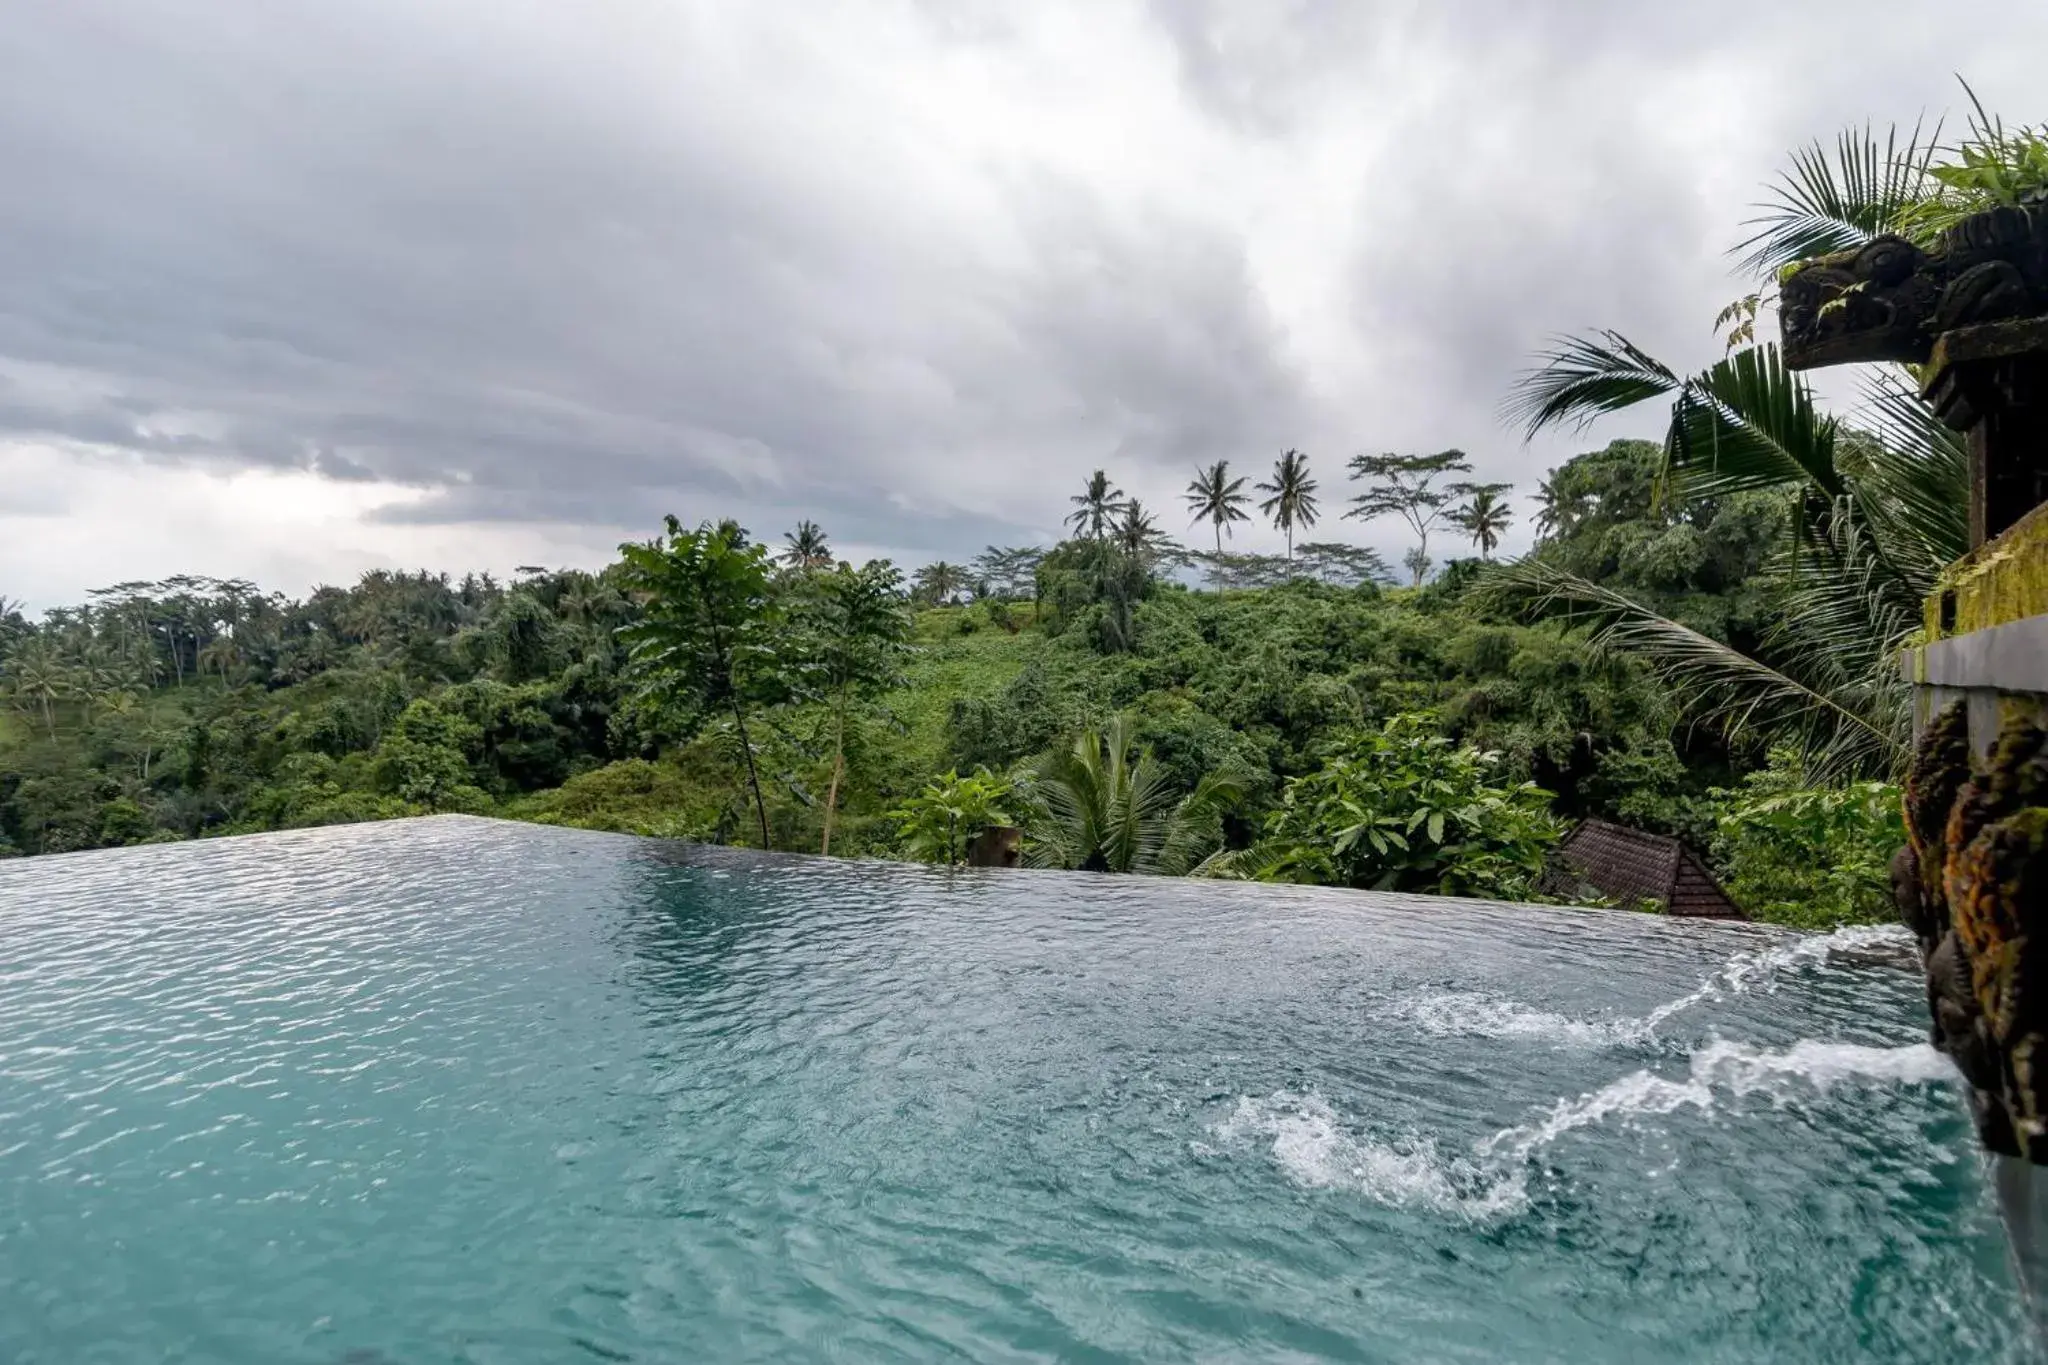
x,y
453,1090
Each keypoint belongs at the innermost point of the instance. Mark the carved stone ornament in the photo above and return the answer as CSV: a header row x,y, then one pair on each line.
x,y
1890,299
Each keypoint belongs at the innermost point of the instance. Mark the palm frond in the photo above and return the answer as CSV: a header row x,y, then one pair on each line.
x,y
1840,199
1581,379
1748,422
1844,615
1914,485
1841,728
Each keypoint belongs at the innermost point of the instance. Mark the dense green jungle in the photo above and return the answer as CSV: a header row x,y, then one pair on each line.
x,y
1702,642
1134,706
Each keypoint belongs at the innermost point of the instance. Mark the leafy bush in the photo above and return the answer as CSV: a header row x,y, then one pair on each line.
x,y
632,796
424,760
938,823
1408,809
1812,857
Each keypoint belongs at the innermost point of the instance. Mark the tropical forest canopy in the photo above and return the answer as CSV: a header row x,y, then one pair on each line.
x,y
1700,643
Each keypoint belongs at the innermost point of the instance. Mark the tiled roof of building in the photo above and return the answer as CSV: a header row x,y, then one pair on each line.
x,y
1631,866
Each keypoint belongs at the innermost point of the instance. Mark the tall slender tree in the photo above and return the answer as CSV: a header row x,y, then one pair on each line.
x,y
704,635
1293,496
1213,496
1138,535
38,678
853,629
1095,507
938,583
1407,486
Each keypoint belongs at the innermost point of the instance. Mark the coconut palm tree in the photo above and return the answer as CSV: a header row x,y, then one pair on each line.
x,y
1552,513
1875,521
1293,500
1095,507
1107,806
1213,496
805,547
938,583
37,677
1874,524
220,654
1485,517
1137,533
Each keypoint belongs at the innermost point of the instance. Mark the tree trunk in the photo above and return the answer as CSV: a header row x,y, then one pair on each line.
x,y
1219,559
838,767
753,777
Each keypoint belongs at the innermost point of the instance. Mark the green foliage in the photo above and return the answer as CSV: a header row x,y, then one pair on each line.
x,y
704,639
634,796
850,630
692,691
1990,168
425,760
1811,857
940,821
1869,521
1108,805
1406,808
1407,486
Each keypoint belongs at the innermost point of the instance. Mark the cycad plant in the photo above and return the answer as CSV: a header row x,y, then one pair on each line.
x,y
1106,805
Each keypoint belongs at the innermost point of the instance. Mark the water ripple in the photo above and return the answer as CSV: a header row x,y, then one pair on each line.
x,y
455,1090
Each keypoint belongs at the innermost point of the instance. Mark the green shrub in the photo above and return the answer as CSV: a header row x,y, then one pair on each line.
x,y
1405,808
424,760
1811,857
634,796
938,823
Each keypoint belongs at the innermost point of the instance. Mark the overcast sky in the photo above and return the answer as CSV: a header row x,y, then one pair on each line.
x,y
290,290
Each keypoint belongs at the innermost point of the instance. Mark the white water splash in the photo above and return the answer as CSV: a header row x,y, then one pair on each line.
x,y
1735,1068
1318,1149
1746,972
1469,1014
1449,1014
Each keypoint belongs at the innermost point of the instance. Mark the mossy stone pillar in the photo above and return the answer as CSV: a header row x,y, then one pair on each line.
x,y
1972,884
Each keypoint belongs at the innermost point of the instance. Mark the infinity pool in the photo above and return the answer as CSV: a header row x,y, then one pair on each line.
x,y
455,1090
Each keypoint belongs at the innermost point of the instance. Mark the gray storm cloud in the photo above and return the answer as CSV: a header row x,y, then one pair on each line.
x,y
911,269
